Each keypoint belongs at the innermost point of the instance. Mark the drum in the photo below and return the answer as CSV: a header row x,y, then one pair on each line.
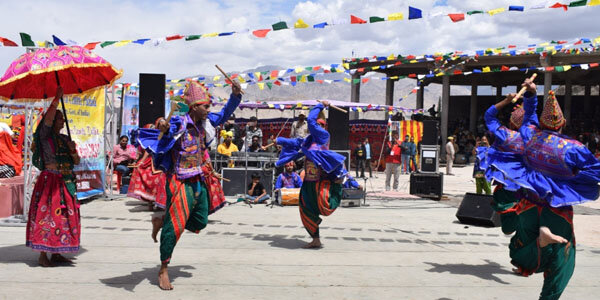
x,y
290,196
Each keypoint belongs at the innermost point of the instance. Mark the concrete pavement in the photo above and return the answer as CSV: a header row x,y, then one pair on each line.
x,y
399,247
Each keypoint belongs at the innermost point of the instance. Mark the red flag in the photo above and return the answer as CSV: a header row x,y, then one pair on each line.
x,y
559,5
593,65
457,72
356,20
316,68
410,57
277,82
365,80
504,68
91,46
274,74
512,46
360,70
412,75
549,69
8,43
293,78
174,37
261,33
456,17
320,81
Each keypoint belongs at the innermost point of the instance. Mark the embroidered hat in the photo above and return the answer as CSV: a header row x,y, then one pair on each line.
x,y
196,93
516,117
552,116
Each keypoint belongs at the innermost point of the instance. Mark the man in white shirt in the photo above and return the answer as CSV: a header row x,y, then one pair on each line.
x,y
449,155
299,127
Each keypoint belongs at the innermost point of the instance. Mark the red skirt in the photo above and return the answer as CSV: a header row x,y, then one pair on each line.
x,y
54,222
145,185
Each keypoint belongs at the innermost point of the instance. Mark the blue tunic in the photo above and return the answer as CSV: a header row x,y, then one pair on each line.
x,y
180,151
557,169
314,147
507,151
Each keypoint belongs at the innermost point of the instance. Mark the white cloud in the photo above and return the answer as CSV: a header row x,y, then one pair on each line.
x,y
87,21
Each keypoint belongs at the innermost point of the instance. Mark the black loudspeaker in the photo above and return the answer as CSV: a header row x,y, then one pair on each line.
x,y
237,184
476,209
152,98
352,194
427,185
338,126
430,132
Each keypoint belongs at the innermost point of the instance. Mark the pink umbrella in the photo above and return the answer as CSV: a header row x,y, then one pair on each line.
x,y
36,75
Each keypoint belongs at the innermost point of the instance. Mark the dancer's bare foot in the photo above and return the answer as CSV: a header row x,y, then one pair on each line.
x,y
316,243
157,224
163,278
547,237
57,258
43,260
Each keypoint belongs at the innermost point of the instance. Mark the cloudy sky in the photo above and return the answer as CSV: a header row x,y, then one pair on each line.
x,y
89,21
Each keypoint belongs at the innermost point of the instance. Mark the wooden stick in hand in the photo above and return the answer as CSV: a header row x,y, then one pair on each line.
x,y
228,78
523,89
335,107
173,108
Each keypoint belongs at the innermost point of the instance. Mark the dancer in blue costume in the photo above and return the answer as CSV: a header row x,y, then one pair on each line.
x,y
553,173
321,189
193,191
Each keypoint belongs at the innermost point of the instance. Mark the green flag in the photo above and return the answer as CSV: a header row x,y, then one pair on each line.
x,y
270,85
376,19
192,37
310,78
26,40
474,12
578,3
107,43
279,26
559,69
355,81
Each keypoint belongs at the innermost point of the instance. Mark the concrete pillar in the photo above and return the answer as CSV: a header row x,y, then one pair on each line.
x,y
420,96
355,93
568,100
587,100
389,95
445,109
473,111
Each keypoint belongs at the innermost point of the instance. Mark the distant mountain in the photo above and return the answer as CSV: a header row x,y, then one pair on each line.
x,y
371,92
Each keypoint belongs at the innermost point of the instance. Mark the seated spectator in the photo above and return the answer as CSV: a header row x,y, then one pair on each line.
x,y
287,180
255,146
256,191
123,156
227,147
351,183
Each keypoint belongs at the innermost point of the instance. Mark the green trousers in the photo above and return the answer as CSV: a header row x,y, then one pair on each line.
x,y
318,198
187,208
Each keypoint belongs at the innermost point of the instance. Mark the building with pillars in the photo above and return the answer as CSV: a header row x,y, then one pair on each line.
x,y
498,71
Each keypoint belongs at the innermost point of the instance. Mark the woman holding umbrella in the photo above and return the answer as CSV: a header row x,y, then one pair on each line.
x,y
53,225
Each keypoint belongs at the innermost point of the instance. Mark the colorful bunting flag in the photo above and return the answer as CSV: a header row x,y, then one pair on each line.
x,y
414,13
578,3
300,24
496,11
594,2
560,5
456,17
356,20
57,41
7,43
261,33
399,16
320,25
376,19
474,12
516,8
279,26
26,40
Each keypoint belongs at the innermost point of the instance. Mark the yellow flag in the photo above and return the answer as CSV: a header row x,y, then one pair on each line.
x,y
216,78
347,79
271,105
397,16
346,65
439,74
486,69
299,104
241,79
300,24
122,43
374,67
359,109
394,77
302,78
257,75
391,57
298,69
567,67
214,34
261,85
544,44
594,2
41,44
496,11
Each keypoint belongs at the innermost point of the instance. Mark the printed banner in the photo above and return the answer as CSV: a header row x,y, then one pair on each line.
x,y
131,111
85,113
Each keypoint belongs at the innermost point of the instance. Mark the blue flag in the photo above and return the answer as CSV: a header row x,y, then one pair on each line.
x,y
516,8
320,25
414,13
57,41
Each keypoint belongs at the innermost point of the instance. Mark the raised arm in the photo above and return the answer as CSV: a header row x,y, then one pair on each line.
x,y
219,118
529,105
51,112
320,135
